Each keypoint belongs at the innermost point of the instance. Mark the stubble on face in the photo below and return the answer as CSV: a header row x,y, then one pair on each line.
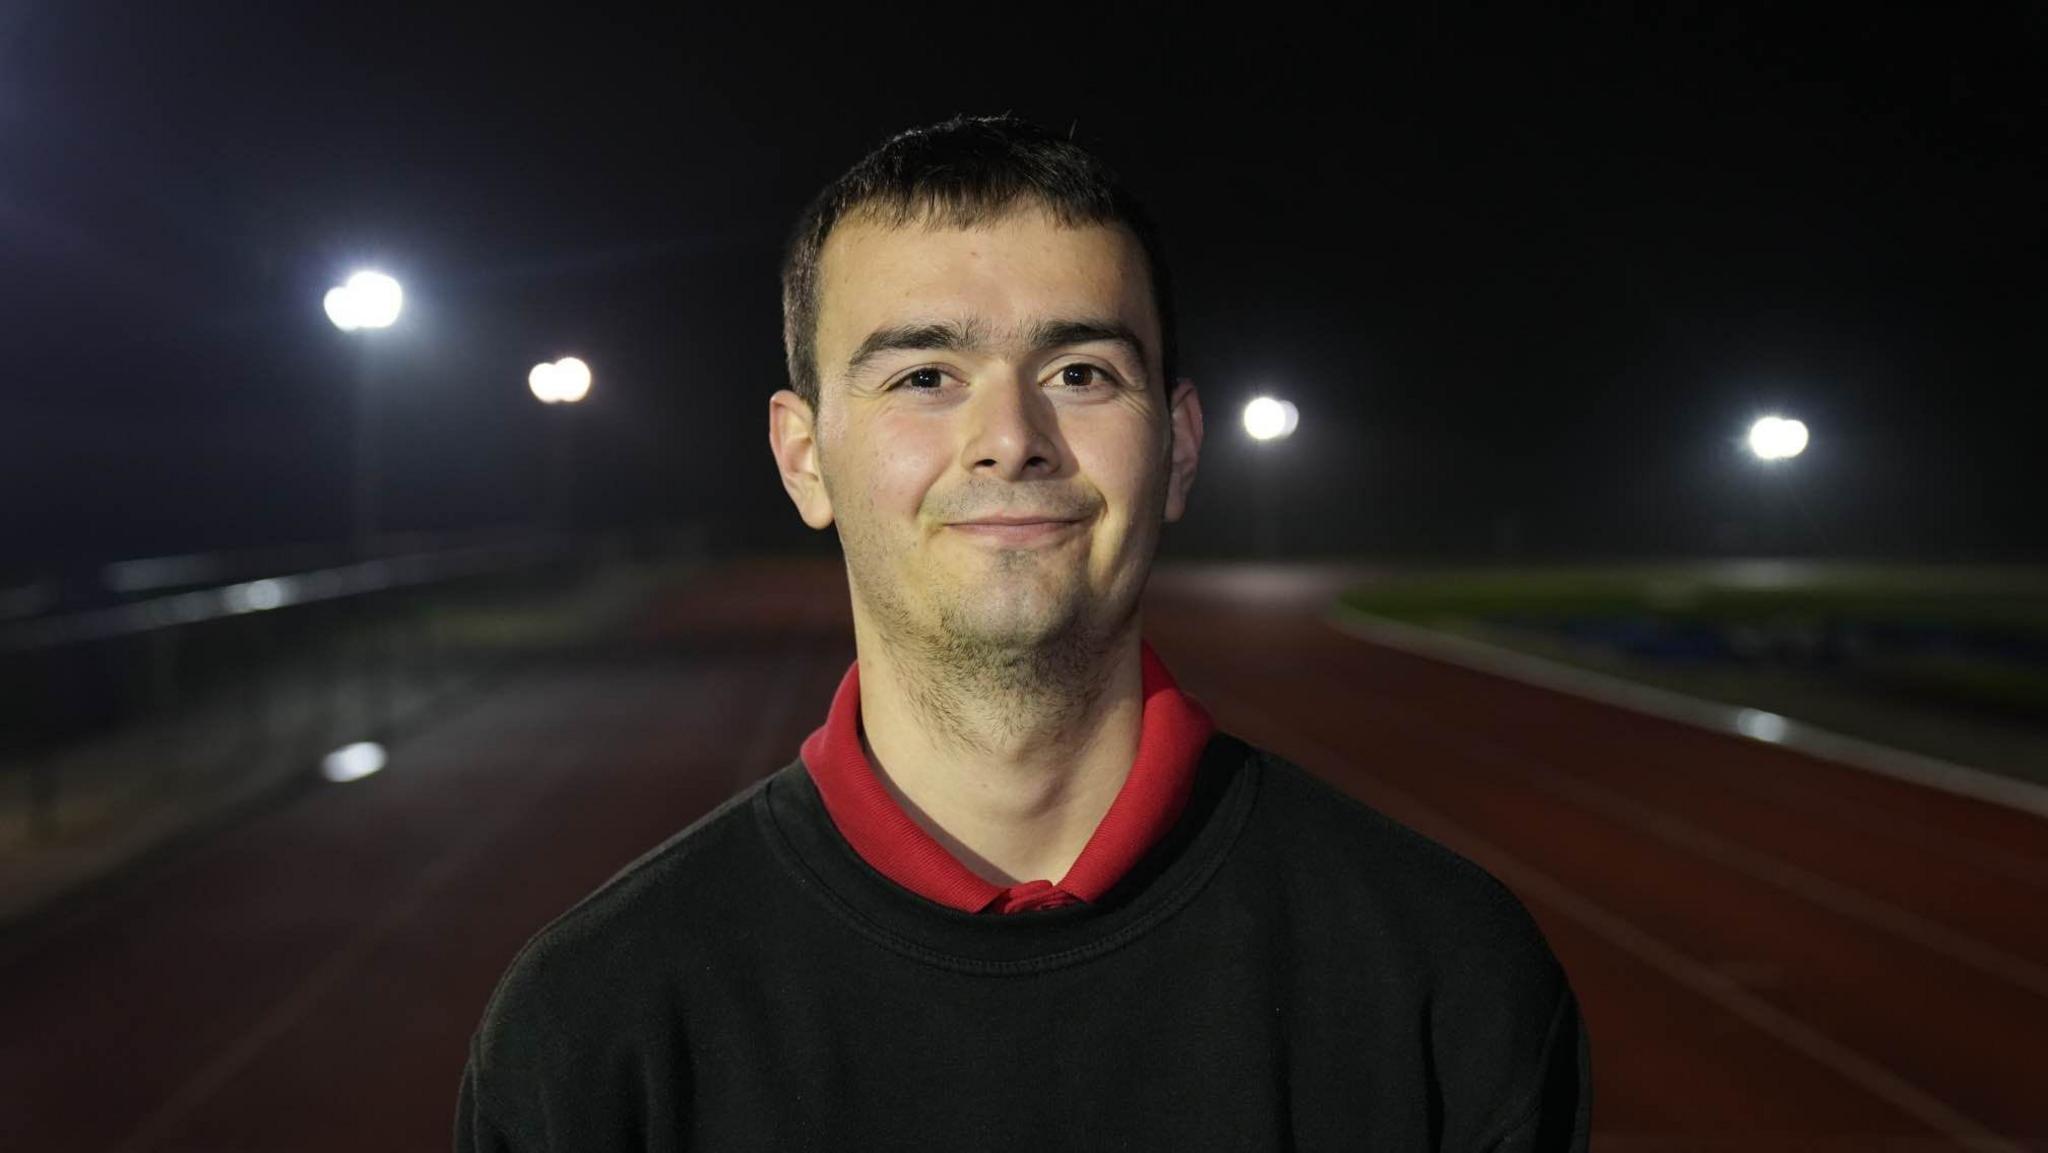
x,y
965,647
989,645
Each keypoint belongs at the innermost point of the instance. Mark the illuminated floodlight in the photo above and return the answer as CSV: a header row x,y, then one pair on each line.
x,y
1268,419
353,762
564,381
572,380
541,382
366,300
1777,438
341,309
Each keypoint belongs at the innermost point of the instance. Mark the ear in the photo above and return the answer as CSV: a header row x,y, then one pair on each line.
x,y
1184,413
792,438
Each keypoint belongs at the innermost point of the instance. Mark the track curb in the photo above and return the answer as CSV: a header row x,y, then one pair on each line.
x,y
1714,716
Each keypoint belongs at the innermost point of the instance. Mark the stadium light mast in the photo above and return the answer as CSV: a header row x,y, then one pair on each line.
x,y
366,302
1268,421
565,382
1772,441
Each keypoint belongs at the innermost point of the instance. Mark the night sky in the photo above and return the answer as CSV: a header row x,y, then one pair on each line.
x,y
1527,278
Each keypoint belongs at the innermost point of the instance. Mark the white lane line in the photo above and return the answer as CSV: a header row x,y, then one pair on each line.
x,y
1859,1070
210,1078
1993,859
1752,724
1833,896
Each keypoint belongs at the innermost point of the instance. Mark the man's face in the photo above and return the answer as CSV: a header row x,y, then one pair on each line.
x,y
1009,371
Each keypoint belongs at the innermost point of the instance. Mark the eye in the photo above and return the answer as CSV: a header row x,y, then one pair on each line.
x,y
922,380
1083,376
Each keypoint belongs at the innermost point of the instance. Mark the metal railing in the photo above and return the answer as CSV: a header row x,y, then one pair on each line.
x,y
178,694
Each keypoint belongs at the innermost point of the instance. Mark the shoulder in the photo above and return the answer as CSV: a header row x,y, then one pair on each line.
x,y
1438,915
1442,934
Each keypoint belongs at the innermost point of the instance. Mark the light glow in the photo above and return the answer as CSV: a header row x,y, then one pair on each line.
x,y
366,300
541,382
1777,438
1268,419
1762,726
353,762
259,595
564,381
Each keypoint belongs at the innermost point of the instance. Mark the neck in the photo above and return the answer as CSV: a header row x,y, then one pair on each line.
x,y
1009,763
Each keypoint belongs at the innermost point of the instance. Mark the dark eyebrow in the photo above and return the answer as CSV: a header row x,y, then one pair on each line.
x,y
973,336
939,336
1061,333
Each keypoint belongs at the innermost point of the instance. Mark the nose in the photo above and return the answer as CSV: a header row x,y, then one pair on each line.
x,y
1013,432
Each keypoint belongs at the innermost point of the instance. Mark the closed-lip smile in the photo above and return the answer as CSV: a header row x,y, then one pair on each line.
x,y
994,520
1015,530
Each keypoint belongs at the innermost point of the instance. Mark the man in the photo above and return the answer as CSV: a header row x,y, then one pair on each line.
x,y
1017,893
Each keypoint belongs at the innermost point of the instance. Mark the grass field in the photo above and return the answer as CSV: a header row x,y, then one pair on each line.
x,y
1951,661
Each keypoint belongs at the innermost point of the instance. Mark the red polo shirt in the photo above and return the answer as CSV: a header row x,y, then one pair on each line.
x,y
1171,736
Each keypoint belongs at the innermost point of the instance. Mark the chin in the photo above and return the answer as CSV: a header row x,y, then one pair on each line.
x,y
1013,619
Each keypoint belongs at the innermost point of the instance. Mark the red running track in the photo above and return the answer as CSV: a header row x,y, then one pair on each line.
x,y
1773,952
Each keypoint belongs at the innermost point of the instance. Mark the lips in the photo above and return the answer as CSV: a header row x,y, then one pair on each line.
x,y
1015,520
1008,530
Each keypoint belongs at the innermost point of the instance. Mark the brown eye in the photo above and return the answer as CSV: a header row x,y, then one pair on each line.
x,y
923,378
1080,375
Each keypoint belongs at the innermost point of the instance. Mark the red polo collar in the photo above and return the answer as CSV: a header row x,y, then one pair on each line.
x,y
1171,736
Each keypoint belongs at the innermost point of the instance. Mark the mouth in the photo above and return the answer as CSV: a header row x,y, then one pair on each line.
x,y
1014,531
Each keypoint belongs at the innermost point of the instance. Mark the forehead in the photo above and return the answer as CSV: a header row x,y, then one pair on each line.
x,y
1009,273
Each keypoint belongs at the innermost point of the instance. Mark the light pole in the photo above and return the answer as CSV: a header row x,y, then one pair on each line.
x,y
1267,420
366,302
561,382
1773,440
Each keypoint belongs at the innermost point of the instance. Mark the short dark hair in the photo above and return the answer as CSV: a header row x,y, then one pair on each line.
x,y
963,173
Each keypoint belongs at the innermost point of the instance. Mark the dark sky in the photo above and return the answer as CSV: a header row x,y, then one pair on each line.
x,y
1527,278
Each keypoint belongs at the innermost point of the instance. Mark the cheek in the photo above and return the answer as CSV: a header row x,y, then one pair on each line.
x,y
905,459
1124,466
